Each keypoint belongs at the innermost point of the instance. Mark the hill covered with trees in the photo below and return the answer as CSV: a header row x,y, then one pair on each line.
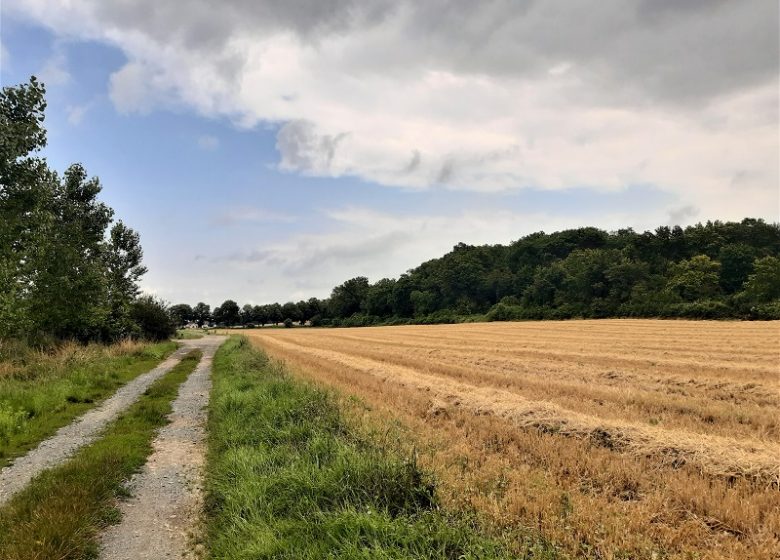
x,y
713,270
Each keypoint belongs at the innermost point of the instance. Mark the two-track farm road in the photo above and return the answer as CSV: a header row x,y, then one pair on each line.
x,y
69,439
159,519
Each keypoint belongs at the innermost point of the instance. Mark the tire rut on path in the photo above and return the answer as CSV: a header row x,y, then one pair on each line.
x,y
163,513
84,430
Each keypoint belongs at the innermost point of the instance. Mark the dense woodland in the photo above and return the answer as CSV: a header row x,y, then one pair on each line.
x,y
713,270
67,269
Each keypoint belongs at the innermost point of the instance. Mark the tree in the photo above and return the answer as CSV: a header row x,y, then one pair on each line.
x,y
123,256
290,311
347,298
228,313
201,313
379,298
423,302
275,313
181,314
66,274
63,272
695,279
764,284
152,317
247,314
736,264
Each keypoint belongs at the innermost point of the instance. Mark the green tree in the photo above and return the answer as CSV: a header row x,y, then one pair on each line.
x,y
736,264
228,313
694,279
201,313
379,298
764,284
181,314
24,195
347,298
291,311
152,317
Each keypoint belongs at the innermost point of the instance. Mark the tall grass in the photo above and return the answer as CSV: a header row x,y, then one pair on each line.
x,y
41,391
59,515
286,478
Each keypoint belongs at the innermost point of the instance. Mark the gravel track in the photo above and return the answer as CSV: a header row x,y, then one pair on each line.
x,y
163,514
84,430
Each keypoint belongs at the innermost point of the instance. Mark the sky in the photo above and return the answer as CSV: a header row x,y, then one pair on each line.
x,y
267,150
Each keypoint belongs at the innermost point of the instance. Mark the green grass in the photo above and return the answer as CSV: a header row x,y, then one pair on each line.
x,y
41,392
189,334
59,515
286,478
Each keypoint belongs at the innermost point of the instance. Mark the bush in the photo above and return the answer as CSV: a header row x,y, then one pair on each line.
x,y
152,317
288,323
766,311
702,309
505,312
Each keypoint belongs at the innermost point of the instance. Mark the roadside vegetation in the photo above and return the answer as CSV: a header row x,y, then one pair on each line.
x,y
286,478
61,512
41,391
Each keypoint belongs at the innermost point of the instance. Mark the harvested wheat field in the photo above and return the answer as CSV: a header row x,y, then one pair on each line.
x,y
609,438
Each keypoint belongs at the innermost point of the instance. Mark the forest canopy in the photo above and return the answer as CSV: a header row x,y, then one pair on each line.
x,y
713,270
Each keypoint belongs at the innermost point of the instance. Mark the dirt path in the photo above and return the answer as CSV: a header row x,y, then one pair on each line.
x,y
84,430
158,521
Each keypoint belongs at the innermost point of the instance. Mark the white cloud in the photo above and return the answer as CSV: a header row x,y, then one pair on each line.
x,y
76,113
5,57
208,142
55,69
235,216
484,96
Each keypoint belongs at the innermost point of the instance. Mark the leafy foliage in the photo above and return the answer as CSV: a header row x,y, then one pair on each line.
x,y
66,269
713,270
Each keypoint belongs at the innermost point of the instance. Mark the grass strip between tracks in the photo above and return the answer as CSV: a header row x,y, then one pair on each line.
x,y
287,479
58,516
48,392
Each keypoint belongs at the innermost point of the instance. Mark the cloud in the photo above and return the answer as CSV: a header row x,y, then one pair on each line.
x,y
5,57
236,216
208,142
486,96
55,69
76,113
303,149
682,215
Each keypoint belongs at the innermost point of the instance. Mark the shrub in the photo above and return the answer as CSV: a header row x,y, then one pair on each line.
x,y
288,323
152,317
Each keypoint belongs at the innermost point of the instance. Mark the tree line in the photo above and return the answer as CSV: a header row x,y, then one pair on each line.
x,y
712,270
68,270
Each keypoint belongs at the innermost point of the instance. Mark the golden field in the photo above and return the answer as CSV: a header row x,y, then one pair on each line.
x,y
610,438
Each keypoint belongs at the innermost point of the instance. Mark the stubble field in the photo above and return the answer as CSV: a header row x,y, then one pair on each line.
x,y
609,438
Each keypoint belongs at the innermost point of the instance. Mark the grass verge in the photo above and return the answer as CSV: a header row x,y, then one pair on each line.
x,y
41,392
287,479
58,516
